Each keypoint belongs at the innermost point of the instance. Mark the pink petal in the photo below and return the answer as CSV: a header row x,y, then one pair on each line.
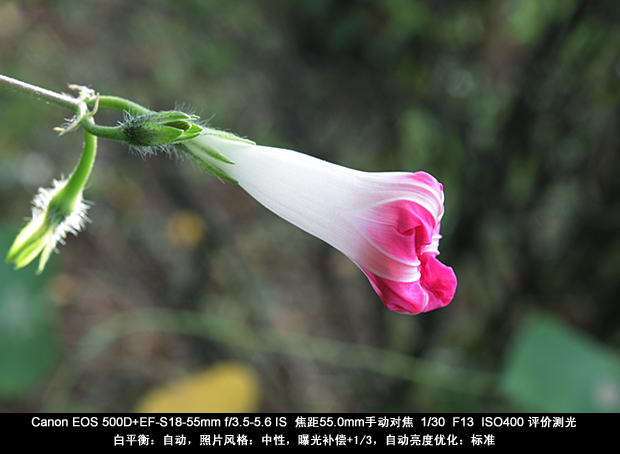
x,y
435,289
398,229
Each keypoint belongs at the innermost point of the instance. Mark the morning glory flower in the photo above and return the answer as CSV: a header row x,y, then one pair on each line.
x,y
386,222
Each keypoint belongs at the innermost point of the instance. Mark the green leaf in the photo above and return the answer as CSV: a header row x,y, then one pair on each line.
x,y
27,341
551,367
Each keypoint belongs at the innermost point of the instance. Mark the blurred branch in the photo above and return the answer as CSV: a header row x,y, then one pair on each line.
x,y
219,329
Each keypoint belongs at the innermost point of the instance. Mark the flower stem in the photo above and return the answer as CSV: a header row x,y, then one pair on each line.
x,y
120,104
105,132
80,174
42,94
79,105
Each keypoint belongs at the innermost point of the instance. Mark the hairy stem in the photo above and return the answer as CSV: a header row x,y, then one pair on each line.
x,y
80,105
120,104
42,94
82,170
106,132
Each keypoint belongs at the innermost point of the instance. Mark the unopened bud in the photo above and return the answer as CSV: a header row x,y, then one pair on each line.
x,y
160,128
54,214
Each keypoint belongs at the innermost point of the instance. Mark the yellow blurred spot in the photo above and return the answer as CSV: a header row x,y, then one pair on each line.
x,y
227,387
186,228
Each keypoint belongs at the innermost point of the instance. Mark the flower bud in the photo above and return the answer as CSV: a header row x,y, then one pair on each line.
x,y
54,214
160,128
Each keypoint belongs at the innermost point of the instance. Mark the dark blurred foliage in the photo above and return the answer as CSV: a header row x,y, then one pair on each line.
x,y
512,105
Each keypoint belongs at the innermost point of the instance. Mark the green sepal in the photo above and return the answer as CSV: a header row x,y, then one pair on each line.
x,y
156,135
168,116
160,128
227,135
224,135
193,131
215,171
205,165
215,154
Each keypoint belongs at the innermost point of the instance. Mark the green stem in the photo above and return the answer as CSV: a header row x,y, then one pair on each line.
x,y
42,94
120,104
82,170
78,106
105,132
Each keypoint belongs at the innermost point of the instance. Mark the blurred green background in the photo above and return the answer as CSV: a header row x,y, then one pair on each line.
x,y
513,105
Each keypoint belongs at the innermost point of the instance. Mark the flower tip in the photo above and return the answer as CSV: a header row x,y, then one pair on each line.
x,y
40,268
434,289
10,256
55,214
22,253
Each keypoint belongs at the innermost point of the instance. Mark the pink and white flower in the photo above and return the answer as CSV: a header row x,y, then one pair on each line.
x,y
387,222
